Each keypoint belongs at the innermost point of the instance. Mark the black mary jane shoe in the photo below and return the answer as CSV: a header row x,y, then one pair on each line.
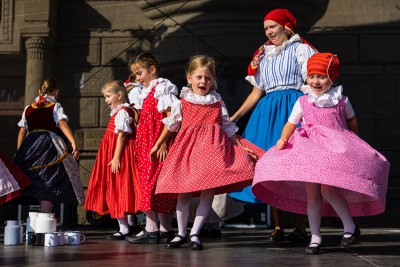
x,y
117,236
195,245
145,238
312,249
348,241
176,244
167,236
277,235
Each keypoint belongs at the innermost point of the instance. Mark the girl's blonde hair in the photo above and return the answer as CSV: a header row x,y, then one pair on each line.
x,y
48,86
202,61
116,87
146,60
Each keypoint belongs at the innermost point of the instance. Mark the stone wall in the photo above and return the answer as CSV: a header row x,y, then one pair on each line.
x,y
93,40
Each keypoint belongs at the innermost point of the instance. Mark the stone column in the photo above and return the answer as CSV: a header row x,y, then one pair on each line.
x,y
36,66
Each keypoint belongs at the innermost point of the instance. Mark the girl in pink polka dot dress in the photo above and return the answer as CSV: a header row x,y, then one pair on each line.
x,y
323,168
207,157
158,97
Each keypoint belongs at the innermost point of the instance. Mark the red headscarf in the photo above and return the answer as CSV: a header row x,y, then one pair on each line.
x,y
283,17
325,64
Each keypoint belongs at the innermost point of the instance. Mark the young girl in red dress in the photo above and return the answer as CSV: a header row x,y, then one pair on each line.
x,y
158,97
207,157
114,186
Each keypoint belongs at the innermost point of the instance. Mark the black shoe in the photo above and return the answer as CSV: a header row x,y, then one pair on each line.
x,y
348,241
117,236
298,236
167,236
195,245
277,235
312,250
176,244
145,238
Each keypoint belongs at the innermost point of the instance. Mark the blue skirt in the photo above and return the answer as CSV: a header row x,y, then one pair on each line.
x,y
265,127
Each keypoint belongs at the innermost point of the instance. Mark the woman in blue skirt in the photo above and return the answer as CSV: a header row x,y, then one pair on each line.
x,y
277,73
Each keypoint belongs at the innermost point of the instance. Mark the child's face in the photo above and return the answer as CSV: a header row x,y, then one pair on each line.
x,y
319,84
113,100
143,75
201,80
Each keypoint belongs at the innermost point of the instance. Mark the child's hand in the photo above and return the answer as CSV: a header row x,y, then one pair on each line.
x,y
75,151
160,152
115,165
248,150
281,143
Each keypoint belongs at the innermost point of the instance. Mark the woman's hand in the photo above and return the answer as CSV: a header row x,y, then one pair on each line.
x,y
282,142
115,165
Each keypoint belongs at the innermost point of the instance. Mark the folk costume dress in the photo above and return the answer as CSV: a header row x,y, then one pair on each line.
x,y
203,156
280,74
115,193
160,95
12,179
43,155
134,92
323,151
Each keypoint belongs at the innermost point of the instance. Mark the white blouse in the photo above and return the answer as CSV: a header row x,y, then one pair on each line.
x,y
165,93
303,53
328,99
173,122
134,95
58,113
122,120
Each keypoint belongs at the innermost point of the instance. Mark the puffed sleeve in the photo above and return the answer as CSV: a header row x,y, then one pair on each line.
x,y
173,122
228,126
123,122
348,110
59,114
23,123
255,80
296,114
165,93
303,53
134,97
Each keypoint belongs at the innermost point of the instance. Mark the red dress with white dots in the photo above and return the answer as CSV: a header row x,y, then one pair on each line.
x,y
149,130
203,156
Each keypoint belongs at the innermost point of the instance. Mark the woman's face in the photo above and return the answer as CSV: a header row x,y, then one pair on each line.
x,y
275,32
143,75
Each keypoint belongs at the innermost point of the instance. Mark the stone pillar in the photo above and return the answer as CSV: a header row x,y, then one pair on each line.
x,y
36,66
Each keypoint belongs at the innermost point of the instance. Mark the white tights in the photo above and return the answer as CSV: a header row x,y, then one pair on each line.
x,y
182,213
152,222
315,195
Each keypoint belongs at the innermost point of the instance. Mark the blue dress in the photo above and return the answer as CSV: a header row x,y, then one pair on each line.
x,y
276,69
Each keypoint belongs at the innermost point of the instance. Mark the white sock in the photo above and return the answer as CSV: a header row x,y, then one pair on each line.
x,y
206,199
123,226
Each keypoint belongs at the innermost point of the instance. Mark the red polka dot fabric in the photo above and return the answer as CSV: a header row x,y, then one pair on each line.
x,y
203,156
149,130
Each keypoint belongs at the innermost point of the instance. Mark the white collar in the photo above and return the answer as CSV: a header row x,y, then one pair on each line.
x,y
273,50
211,98
328,99
48,98
118,108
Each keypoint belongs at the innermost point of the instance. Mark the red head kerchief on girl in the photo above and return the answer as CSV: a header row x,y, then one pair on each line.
x,y
283,17
325,64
